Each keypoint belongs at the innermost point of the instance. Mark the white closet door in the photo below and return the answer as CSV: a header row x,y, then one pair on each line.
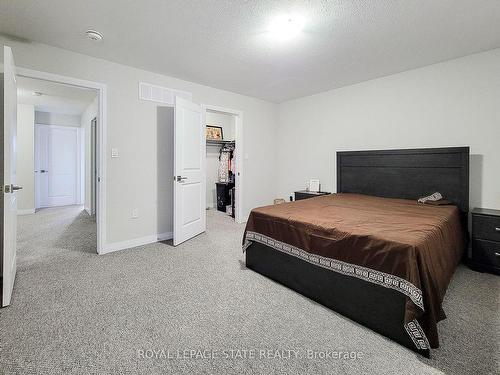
x,y
190,171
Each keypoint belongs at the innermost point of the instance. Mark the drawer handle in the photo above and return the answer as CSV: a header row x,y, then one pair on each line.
x,y
497,254
497,229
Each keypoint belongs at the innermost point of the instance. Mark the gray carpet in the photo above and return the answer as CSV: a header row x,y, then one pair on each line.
x,y
76,312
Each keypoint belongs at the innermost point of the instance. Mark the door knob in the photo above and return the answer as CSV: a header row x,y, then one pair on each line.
x,y
180,178
9,188
43,171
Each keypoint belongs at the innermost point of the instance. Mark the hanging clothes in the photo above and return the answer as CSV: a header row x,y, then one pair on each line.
x,y
226,164
223,169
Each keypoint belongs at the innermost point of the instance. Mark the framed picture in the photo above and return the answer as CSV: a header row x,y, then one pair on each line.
x,y
314,185
214,133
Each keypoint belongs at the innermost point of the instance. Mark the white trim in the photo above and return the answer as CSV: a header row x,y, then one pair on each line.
x,y
238,215
116,246
165,236
36,151
57,126
417,335
82,175
79,140
28,211
102,136
384,279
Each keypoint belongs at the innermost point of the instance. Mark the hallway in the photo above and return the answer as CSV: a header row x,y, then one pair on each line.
x,y
53,232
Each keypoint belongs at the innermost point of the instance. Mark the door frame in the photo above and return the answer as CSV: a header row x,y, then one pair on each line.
x,y
78,172
238,138
101,134
93,166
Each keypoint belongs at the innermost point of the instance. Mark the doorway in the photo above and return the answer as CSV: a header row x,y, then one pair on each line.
x,y
56,157
224,165
190,188
220,163
92,176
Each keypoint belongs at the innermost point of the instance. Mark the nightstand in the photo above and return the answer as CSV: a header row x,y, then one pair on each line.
x,y
304,194
485,240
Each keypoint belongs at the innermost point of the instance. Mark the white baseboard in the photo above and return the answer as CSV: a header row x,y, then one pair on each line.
x,y
123,245
29,211
116,246
165,236
244,218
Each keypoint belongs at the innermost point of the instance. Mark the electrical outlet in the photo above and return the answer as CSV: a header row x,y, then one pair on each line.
x,y
135,213
114,152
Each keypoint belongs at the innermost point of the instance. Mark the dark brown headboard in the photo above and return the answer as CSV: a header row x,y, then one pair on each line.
x,y
407,174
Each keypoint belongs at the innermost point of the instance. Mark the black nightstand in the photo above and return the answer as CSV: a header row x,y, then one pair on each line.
x,y
485,240
304,194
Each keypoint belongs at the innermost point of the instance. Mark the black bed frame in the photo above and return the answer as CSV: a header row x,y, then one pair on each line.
x,y
408,174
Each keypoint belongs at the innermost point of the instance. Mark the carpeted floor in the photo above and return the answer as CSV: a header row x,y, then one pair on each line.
x,y
76,312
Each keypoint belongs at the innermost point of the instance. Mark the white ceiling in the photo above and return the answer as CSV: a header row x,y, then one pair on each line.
x,y
56,98
224,44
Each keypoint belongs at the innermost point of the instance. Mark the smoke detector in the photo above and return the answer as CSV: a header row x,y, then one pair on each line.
x,y
94,35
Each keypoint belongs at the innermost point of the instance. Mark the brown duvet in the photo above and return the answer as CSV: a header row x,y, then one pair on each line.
x,y
399,244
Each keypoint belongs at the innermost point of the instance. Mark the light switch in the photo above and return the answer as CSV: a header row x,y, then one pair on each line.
x,y
114,152
135,213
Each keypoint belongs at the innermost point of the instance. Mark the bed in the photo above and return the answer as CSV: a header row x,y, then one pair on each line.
x,y
371,252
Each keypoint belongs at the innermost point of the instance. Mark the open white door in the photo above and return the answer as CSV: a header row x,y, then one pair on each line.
x,y
189,170
8,186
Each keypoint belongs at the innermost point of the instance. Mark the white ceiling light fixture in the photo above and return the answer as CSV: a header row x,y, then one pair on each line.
x,y
37,93
286,26
94,35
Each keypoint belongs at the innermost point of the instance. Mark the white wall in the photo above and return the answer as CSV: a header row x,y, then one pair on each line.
x,y
228,124
59,119
25,158
224,120
132,128
87,116
455,103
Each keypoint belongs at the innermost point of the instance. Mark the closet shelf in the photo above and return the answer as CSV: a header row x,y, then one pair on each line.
x,y
218,142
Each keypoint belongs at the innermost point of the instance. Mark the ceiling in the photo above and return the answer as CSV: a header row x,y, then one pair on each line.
x,y
55,98
224,43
